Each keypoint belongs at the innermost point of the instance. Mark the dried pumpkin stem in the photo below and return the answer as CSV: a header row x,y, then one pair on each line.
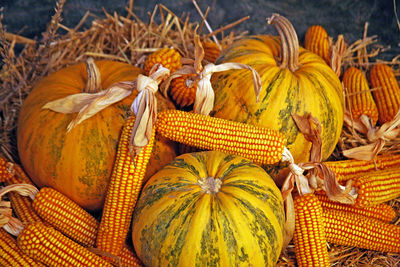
x,y
93,83
289,42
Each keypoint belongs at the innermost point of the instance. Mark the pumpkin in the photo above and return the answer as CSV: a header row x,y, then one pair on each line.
x,y
294,81
77,163
209,209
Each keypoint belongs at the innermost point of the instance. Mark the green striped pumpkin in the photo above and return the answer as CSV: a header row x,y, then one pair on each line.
x,y
300,83
209,209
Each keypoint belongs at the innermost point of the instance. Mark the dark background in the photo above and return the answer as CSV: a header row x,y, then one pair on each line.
x,y
30,17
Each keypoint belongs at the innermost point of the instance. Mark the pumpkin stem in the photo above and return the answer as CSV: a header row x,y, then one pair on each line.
x,y
210,185
289,42
93,83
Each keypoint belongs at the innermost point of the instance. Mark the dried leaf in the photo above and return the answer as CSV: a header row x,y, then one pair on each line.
x,y
145,107
22,189
204,101
310,127
366,152
87,105
306,124
198,54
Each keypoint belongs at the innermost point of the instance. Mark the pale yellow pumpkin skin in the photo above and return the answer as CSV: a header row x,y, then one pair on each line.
x,y
77,163
312,88
177,222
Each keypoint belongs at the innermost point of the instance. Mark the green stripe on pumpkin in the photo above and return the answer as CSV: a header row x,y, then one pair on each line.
x,y
176,206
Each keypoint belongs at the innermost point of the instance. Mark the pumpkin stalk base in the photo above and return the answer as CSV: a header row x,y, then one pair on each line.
x,y
93,83
289,57
210,185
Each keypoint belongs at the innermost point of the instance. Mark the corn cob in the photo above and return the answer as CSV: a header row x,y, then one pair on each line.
x,y
261,145
377,187
360,97
22,205
123,191
49,246
183,90
73,221
6,170
168,57
350,168
349,229
382,212
309,237
11,255
211,51
66,216
317,41
387,93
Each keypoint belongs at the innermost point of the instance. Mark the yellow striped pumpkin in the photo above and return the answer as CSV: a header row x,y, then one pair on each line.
x,y
209,209
294,80
78,163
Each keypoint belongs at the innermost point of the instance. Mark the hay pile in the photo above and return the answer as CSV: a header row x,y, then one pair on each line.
x,y
129,39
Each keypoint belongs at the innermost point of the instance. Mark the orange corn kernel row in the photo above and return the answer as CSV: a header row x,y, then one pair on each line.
x,y
377,187
382,212
6,170
261,145
349,168
349,229
317,41
72,220
66,216
309,236
211,51
360,97
183,90
11,255
387,93
168,57
51,247
122,193
22,205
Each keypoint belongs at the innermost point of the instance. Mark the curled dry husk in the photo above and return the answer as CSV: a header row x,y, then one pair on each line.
x,y
375,136
144,105
204,101
7,221
318,177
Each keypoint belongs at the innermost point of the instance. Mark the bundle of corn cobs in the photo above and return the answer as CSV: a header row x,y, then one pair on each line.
x,y
104,126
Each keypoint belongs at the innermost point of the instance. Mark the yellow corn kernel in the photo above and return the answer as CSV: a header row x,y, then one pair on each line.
x,y
49,246
349,229
6,170
317,41
309,237
168,57
66,216
22,205
259,144
377,187
69,218
350,168
382,212
11,255
359,94
387,93
122,193
183,90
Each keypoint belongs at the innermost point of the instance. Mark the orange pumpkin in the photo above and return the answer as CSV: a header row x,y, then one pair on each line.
x,y
77,163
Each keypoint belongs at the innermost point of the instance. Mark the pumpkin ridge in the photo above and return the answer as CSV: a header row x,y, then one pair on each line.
x,y
260,221
277,80
328,126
